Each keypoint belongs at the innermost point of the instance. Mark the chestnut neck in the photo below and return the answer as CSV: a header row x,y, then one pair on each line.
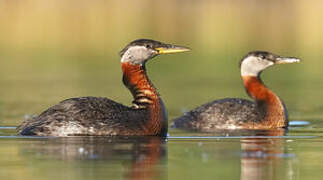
x,y
142,90
145,97
271,108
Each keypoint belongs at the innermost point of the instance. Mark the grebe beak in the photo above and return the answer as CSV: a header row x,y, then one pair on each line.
x,y
286,60
169,48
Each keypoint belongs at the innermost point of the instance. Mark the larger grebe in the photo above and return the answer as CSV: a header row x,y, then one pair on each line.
x,y
101,116
266,112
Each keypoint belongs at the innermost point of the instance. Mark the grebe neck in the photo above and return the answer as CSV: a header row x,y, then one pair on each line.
x,y
145,97
272,109
137,81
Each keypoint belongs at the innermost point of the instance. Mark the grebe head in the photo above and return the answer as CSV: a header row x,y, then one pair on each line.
x,y
257,61
139,51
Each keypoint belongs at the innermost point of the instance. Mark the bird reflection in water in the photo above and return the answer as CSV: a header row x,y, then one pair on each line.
x,y
261,157
145,159
140,157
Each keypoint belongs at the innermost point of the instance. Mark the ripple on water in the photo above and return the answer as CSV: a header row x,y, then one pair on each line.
x,y
298,123
8,127
10,132
235,137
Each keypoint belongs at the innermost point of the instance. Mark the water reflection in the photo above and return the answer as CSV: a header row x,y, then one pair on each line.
x,y
145,158
261,157
140,158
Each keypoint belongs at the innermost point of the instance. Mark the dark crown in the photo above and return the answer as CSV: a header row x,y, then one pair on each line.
x,y
148,43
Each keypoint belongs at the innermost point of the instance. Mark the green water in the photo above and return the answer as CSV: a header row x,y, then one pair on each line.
x,y
54,50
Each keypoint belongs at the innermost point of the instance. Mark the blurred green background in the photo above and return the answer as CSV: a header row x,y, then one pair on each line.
x,y
53,50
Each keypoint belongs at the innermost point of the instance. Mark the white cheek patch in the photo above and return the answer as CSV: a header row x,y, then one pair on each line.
x,y
252,66
135,54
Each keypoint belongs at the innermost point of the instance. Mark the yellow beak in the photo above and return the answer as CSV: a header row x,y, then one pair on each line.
x,y
286,60
171,49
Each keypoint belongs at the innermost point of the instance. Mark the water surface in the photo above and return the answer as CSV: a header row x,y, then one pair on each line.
x,y
245,155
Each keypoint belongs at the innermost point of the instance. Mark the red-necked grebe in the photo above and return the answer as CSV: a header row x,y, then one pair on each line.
x,y
101,116
266,112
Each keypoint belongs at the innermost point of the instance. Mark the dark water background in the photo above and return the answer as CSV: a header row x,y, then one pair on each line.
x,y
53,50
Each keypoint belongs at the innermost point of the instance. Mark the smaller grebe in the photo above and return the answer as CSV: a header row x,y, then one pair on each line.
x,y
95,116
267,112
